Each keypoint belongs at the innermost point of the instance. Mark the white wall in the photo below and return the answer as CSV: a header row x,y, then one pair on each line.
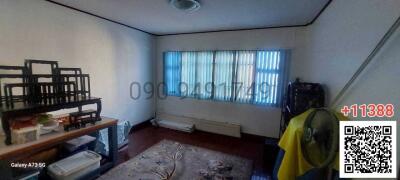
x,y
379,83
340,39
329,51
112,54
253,119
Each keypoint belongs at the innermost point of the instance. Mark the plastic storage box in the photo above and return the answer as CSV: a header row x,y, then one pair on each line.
x,y
76,144
32,176
24,135
75,166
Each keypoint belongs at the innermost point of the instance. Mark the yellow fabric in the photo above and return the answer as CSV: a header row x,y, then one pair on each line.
x,y
293,163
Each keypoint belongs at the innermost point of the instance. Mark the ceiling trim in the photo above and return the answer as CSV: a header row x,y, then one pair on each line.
x,y
230,30
196,32
319,13
101,17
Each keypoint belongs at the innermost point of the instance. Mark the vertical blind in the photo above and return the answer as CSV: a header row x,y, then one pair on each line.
x,y
268,72
244,76
172,73
238,76
223,75
204,74
188,75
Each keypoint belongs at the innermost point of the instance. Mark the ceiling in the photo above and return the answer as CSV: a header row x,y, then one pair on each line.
x,y
159,18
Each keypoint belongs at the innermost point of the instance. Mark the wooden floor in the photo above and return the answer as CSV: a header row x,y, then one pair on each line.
x,y
248,146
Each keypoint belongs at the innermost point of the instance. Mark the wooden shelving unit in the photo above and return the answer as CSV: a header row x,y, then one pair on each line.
x,y
15,152
27,94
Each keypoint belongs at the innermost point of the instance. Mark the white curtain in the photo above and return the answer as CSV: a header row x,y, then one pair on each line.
x,y
244,76
240,76
188,76
204,72
223,75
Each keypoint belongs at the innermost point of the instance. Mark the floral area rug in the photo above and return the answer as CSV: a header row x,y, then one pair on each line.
x,y
172,160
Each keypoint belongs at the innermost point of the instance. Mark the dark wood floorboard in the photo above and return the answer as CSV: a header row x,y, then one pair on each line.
x,y
247,147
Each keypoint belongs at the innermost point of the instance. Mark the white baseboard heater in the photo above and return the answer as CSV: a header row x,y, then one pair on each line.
x,y
186,127
217,127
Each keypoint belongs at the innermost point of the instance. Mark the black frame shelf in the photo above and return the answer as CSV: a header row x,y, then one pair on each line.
x,y
300,97
40,93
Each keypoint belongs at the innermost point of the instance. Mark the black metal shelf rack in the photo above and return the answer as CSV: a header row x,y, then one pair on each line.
x,y
39,93
300,97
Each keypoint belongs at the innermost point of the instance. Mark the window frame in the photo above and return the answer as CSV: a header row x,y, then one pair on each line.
x,y
281,81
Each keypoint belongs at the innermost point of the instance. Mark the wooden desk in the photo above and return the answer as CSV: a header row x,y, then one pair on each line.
x,y
14,152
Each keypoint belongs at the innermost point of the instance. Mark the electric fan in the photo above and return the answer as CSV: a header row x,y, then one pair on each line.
x,y
320,140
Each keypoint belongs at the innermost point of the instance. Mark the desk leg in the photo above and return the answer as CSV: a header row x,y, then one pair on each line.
x,y
6,128
98,103
112,144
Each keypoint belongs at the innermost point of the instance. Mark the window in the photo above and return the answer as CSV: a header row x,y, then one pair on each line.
x,y
267,77
172,73
204,74
223,75
188,75
244,76
238,76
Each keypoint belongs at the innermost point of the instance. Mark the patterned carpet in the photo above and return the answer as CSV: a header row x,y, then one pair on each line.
x,y
172,160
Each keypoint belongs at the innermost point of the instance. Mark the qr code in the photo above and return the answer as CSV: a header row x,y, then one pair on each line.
x,y
367,149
